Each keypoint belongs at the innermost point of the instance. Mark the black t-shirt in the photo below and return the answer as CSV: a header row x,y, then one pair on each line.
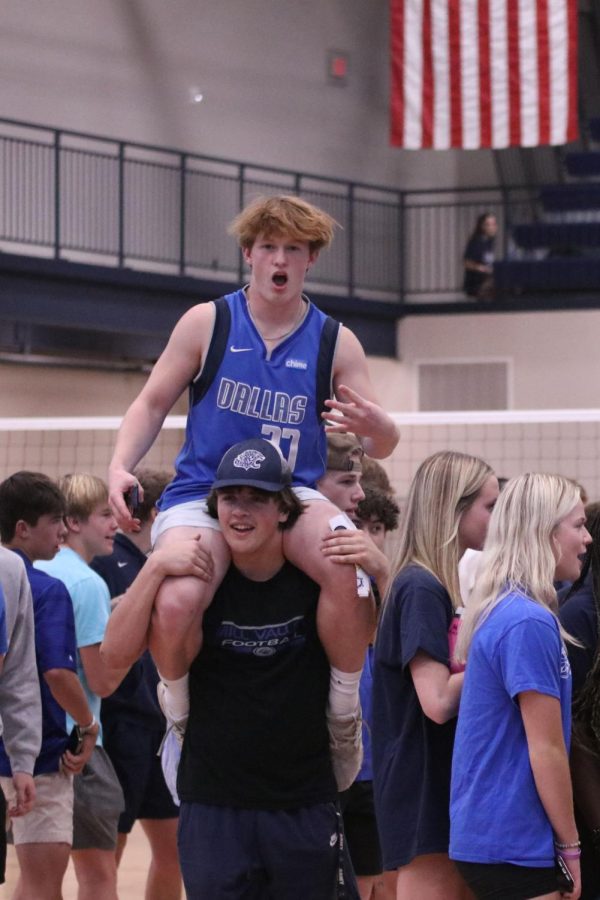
x,y
257,735
579,617
411,754
480,249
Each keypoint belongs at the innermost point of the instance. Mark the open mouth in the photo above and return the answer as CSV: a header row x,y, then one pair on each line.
x,y
280,279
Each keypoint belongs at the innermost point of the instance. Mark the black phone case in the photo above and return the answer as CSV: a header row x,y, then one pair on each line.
x,y
132,498
75,742
563,875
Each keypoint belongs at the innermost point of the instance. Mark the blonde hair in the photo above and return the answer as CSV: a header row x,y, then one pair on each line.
x,y
283,215
444,487
519,552
83,493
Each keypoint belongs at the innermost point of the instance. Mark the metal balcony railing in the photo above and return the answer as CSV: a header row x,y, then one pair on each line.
x,y
111,202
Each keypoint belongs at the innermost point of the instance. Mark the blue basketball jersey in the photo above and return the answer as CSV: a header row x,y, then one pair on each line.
x,y
243,391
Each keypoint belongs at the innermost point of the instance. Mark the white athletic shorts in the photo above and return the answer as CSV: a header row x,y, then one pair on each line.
x,y
195,514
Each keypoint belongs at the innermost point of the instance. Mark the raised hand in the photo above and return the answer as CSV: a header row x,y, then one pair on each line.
x,y
351,412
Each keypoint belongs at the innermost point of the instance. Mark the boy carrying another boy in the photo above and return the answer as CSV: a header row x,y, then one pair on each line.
x,y
260,363
258,794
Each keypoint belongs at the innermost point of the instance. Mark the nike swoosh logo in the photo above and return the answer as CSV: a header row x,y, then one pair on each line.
x,y
121,564
240,349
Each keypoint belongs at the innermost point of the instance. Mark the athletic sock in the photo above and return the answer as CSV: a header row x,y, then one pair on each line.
x,y
177,696
344,698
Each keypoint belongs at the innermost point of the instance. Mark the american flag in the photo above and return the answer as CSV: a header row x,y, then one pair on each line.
x,y
483,73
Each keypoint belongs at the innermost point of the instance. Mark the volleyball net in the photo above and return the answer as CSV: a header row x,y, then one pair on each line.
x,y
564,441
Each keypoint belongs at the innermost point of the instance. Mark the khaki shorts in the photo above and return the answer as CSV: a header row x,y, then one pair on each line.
x,y
51,819
195,514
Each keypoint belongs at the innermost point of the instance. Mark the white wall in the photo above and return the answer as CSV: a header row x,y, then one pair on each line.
x,y
555,365
555,356
41,391
124,68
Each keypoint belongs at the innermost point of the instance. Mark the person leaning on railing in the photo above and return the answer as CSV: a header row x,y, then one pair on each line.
x,y
479,258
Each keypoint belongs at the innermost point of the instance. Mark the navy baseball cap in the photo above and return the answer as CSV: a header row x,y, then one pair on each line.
x,y
254,463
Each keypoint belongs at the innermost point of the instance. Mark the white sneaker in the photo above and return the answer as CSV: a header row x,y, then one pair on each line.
x,y
345,745
170,754
177,726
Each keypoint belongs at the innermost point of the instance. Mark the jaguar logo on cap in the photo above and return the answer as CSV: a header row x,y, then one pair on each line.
x,y
253,463
249,459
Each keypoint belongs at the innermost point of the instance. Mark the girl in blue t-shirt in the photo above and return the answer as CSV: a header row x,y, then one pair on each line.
x,y
511,805
415,695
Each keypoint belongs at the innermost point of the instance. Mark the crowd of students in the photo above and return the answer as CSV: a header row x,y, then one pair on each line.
x,y
464,789
328,739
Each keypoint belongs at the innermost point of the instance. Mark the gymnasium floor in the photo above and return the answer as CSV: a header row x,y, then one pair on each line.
x,y
132,871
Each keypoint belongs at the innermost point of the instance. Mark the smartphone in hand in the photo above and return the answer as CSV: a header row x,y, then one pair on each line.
x,y
132,499
75,742
564,877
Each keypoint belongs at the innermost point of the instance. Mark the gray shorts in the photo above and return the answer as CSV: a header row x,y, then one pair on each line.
x,y
194,513
98,803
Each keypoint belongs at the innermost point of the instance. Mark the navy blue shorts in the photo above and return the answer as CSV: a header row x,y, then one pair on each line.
x,y
133,753
242,854
360,826
2,839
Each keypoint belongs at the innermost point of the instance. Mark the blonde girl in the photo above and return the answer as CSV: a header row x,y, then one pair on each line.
x,y
415,696
511,800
